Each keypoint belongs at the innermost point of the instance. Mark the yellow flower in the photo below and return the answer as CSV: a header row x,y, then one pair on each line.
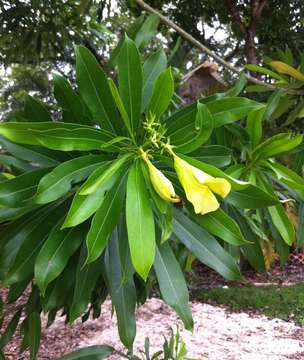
x,y
162,185
199,186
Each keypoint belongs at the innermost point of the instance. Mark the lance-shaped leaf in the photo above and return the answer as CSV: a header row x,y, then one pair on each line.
x,y
286,69
23,265
276,145
123,293
163,91
59,181
83,206
202,130
73,108
15,163
172,283
105,219
224,111
34,335
238,86
10,329
218,223
15,192
57,136
94,90
204,246
56,252
101,175
152,67
140,222
252,197
96,352
254,126
130,81
147,31
86,277
35,111
216,155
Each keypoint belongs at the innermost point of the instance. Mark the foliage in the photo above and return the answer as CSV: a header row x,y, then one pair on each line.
x,y
276,302
110,198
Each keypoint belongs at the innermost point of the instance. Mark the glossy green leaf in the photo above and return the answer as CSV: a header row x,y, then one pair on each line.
x,y
105,219
83,206
272,104
130,81
35,111
7,214
300,232
123,293
101,175
286,175
73,109
204,246
34,334
94,89
15,163
57,136
96,352
202,130
218,223
254,126
238,86
31,239
140,222
60,180
55,253
15,192
216,155
263,70
86,278
276,145
163,90
147,31
172,283
152,67
10,329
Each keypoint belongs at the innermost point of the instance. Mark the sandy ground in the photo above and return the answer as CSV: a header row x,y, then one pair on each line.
x,y
217,334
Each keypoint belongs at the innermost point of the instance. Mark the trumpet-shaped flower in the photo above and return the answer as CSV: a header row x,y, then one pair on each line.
x,y
200,186
162,185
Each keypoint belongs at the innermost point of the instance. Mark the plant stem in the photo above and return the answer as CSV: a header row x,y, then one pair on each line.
x,y
204,48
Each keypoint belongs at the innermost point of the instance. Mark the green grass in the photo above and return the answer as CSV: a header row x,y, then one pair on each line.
x,y
286,303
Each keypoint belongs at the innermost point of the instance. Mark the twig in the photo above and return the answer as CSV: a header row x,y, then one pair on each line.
x,y
202,47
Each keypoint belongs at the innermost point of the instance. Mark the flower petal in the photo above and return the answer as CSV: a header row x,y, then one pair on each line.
x,y
220,186
202,199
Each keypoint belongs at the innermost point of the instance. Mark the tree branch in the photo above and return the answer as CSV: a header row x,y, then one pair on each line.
x,y
231,4
202,47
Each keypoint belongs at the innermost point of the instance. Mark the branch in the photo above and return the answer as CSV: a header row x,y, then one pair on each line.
x,y
231,4
202,47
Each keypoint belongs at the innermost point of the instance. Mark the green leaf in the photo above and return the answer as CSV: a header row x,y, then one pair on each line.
x,y
31,238
94,89
286,175
163,91
15,163
55,253
300,232
123,293
73,109
152,68
263,70
10,329
83,206
224,111
202,130
96,352
101,175
147,31
253,251
120,106
140,222
238,86
35,111
220,224
272,104
59,181
105,220
57,136
130,81
86,278
276,145
172,283
34,334
217,155
33,154
15,192
254,126
204,246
